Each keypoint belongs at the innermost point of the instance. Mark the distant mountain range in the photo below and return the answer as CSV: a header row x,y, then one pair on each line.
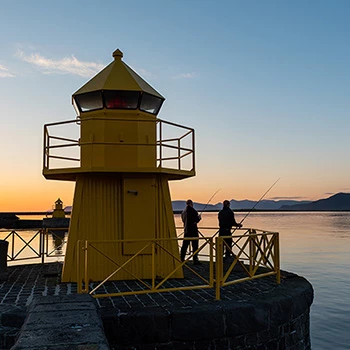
x,y
339,201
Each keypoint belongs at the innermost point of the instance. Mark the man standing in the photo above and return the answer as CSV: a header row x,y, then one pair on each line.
x,y
190,218
226,221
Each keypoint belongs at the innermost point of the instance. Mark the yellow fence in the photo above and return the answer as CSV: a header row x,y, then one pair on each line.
x,y
255,253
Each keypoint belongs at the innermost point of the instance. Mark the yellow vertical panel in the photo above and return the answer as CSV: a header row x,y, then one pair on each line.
x,y
166,262
118,135
91,135
106,208
94,217
70,263
109,143
139,212
147,138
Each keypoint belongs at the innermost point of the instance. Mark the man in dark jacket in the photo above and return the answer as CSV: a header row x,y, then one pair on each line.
x,y
226,221
190,218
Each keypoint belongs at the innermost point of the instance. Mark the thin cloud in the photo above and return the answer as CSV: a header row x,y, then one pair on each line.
x,y
343,190
288,198
66,65
144,73
186,75
5,73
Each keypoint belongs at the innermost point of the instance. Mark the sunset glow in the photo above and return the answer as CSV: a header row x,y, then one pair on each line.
x,y
265,86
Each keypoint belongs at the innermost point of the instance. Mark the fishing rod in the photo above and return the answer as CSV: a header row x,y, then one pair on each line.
x,y
240,223
209,201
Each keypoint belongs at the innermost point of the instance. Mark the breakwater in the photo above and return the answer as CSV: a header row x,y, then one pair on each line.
x,y
257,314
12,221
252,317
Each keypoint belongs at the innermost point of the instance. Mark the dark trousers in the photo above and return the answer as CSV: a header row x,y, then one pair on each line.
x,y
185,245
228,241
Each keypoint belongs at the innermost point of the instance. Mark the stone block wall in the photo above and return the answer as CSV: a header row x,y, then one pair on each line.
x,y
278,320
11,321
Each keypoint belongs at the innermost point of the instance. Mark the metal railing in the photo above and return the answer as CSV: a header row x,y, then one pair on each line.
x,y
150,285
256,252
35,245
175,144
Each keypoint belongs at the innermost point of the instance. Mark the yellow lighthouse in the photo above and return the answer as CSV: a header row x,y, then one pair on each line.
x,y
126,156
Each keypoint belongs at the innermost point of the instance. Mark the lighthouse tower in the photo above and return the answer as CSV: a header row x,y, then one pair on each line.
x,y
122,198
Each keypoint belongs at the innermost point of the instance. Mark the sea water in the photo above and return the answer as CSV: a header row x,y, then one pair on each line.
x,y
315,245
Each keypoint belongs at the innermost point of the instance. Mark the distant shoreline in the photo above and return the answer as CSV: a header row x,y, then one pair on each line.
x,y
267,211
44,213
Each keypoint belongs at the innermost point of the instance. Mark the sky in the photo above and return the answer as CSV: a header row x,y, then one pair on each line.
x,y
265,85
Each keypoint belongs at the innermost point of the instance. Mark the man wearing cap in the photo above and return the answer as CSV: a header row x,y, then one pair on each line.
x,y
226,222
190,218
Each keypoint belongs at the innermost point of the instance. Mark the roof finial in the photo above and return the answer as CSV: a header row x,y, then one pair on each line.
x,y
117,54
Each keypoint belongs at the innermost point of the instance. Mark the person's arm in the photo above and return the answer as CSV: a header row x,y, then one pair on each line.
x,y
197,216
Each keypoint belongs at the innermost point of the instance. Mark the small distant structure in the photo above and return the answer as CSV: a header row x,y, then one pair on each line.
x,y
58,211
57,220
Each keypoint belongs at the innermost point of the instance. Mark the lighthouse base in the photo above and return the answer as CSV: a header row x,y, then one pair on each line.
x,y
121,222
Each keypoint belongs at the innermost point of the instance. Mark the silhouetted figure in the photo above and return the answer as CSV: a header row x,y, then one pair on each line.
x,y
226,222
190,218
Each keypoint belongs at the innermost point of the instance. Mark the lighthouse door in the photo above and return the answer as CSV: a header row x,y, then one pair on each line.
x,y
139,211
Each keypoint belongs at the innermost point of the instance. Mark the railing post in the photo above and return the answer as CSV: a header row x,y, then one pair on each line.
x,y
79,279
277,258
42,245
44,147
211,262
219,267
86,284
160,143
178,154
193,152
252,251
13,245
153,266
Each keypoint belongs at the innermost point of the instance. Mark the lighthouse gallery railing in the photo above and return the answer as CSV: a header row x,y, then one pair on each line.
x,y
175,144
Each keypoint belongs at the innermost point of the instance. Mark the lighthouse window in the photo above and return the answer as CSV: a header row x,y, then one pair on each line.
x,y
89,101
121,99
150,104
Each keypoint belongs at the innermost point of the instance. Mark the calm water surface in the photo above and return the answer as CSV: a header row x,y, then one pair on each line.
x,y
316,246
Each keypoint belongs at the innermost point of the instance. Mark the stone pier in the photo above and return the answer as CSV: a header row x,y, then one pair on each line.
x,y
255,315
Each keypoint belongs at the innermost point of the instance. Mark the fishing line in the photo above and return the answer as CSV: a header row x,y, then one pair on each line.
x,y
240,223
259,200
209,201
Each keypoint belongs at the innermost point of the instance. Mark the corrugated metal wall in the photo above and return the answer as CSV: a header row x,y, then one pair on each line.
x,y
98,216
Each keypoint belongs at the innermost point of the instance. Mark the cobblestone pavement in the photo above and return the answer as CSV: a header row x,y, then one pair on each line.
x,y
27,281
